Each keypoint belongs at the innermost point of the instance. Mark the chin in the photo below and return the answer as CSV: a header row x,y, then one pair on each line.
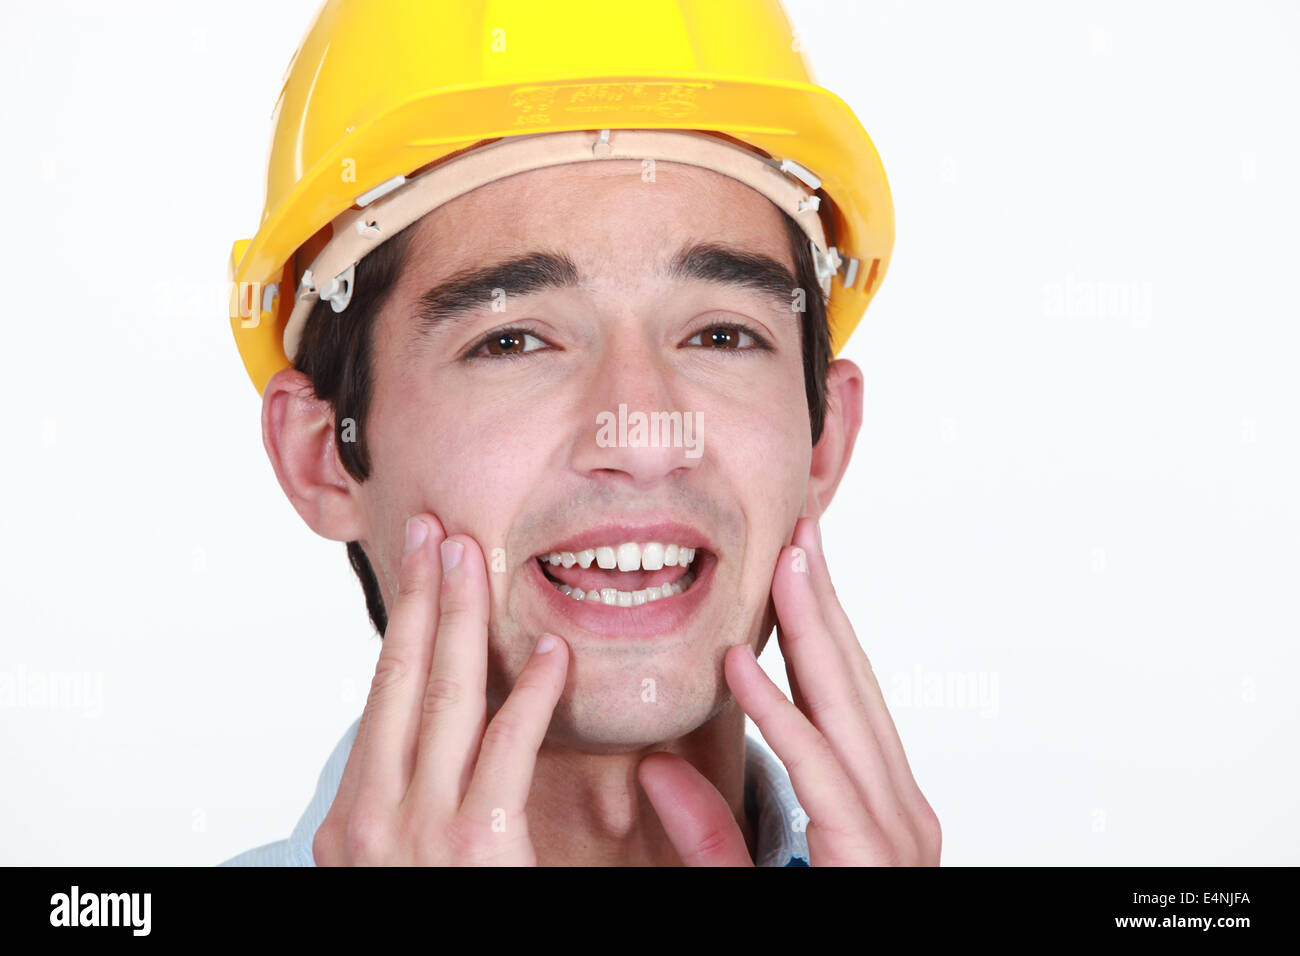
x,y
633,709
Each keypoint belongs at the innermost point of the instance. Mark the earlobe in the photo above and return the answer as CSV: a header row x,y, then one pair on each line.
x,y
831,454
298,435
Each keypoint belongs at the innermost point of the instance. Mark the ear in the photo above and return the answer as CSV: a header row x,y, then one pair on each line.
x,y
833,450
298,434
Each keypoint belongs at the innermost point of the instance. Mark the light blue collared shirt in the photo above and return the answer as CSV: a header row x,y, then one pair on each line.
x,y
769,797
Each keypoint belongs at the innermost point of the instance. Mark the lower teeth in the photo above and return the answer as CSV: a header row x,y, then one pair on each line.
x,y
629,598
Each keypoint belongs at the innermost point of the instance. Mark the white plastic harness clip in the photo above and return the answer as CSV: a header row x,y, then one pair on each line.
x,y
825,265
338,291
850,272
800,173
383,189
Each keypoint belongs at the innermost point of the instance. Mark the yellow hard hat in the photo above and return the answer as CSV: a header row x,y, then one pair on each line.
x,y
390,107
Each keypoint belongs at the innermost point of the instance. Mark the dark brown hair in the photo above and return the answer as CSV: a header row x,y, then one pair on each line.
x,y
336,348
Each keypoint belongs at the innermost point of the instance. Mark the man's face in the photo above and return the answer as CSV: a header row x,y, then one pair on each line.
x,y
489,415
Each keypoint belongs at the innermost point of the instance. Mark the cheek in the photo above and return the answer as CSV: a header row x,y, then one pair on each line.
x,y
763,449
470,466
764,444
467,460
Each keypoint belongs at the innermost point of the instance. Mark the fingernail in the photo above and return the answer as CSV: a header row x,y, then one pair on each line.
x,y
451,554
416,532
545,645
817,531
750,649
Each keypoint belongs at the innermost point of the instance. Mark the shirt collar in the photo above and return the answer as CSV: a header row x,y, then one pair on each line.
x,y
770,799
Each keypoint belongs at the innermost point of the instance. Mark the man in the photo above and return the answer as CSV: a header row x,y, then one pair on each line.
x,y
567,395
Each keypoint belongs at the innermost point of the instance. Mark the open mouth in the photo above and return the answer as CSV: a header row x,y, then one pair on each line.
x,y
627,574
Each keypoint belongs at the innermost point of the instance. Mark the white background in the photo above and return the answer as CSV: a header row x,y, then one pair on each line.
x,y
1077,479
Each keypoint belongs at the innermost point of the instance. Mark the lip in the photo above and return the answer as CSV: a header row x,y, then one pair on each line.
x,y
651,619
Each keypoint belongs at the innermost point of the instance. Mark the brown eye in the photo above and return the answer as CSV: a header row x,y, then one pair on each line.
x,y
510,342
723,337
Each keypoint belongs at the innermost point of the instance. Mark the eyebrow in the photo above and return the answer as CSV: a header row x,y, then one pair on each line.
x,y
465,292
725,265
468,290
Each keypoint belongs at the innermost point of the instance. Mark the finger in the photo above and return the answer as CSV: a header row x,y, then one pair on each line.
x,y
840,828
790,676
498,791
392,713
455,697
830,697
695,816
808,535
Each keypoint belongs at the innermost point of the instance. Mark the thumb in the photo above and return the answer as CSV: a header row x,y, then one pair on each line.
x,y
694,815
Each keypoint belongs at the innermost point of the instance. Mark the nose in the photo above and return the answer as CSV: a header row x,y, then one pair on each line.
x,y
637,431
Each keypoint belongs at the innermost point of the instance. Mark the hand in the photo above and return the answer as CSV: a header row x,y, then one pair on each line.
x,y
426,782
837,740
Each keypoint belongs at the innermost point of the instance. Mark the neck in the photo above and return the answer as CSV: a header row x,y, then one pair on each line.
x,y
589,809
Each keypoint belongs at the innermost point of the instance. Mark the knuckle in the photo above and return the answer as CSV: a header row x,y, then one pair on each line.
x,y
441,694
532,683
429,834
825,751
465,840
865,670
454,613
367,836
389,672
502,731
931,829
326,844
711,844
414,583
820,707
818,753
907,849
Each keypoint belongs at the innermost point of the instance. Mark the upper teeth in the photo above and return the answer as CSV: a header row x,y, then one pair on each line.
x,y
629,556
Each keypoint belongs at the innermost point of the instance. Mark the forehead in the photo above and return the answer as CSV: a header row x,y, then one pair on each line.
x,y
616,219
